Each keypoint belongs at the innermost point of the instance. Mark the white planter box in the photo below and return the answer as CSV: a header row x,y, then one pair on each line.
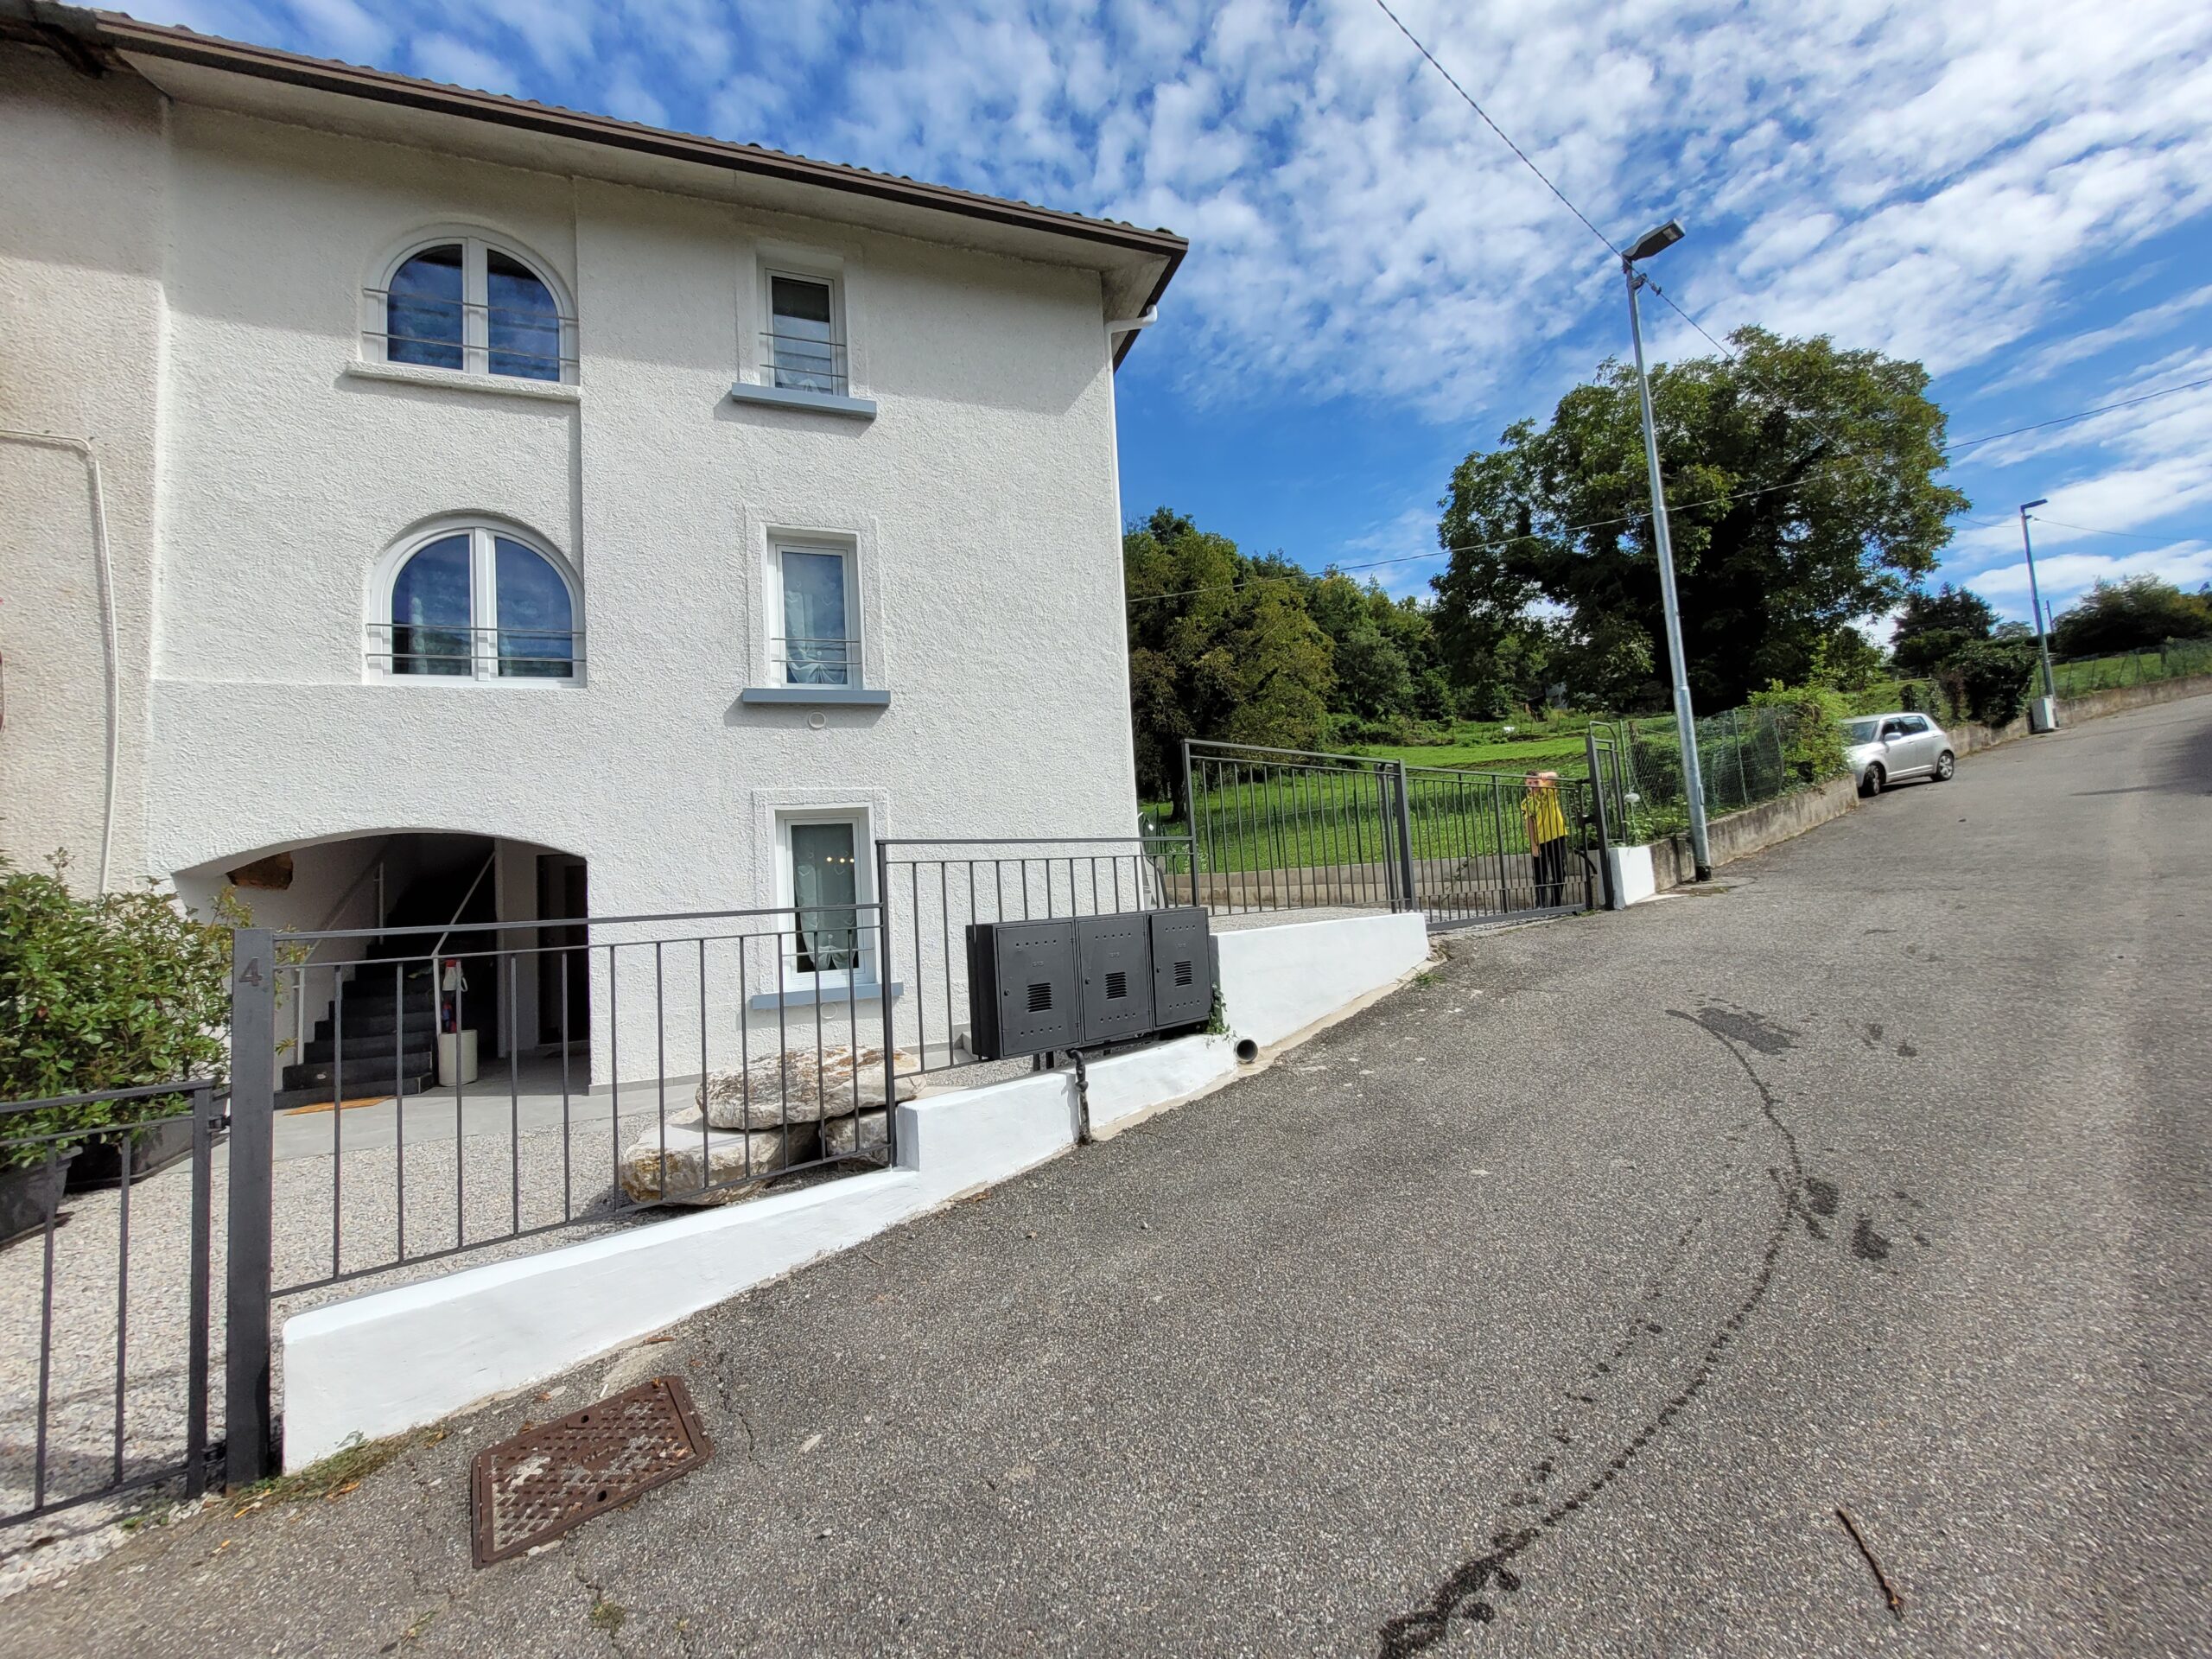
x,y
1633,882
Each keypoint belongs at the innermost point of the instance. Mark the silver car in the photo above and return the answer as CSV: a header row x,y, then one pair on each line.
x,y
1895,749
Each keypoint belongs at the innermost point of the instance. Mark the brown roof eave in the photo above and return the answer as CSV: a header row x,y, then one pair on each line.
x,y
120,33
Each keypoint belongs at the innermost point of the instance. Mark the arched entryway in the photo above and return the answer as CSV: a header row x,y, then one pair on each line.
x,y
476,940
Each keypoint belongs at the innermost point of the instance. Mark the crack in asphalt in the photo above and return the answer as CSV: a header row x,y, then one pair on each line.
x,y
1460,1594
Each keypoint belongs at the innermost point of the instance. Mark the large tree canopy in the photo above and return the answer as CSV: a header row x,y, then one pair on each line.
x,y
2136,613
1220,645
1800,494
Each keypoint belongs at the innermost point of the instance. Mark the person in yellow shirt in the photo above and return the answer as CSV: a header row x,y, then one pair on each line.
x,y
1546,823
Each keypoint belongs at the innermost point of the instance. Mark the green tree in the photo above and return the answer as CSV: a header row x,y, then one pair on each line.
x,y
1932,628
2139,613
1220,645
1801,493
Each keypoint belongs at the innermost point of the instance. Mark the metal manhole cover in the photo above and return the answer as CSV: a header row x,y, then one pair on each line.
x,y
543,1482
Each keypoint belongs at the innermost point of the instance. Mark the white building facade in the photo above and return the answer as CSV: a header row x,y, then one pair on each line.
x,y
409,489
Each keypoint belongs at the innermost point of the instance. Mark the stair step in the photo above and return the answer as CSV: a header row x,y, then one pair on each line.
x,y
383,1022
365,1076
370,1046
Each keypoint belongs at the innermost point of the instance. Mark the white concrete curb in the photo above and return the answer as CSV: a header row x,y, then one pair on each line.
x,y
394,1359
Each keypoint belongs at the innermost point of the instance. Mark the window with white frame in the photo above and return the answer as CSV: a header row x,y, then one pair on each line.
x,y
825,882
473,601
469,305
817,611
803,349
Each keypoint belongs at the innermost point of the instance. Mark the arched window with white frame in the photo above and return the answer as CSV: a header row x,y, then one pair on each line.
x,y
475,601
473,306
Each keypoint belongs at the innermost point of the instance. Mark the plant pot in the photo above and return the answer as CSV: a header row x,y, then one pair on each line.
x,y
29,1193
457,1058
100,1164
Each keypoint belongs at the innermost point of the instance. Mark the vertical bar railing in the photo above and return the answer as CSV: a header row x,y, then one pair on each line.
x,y
246,1429
1406,841
1598,806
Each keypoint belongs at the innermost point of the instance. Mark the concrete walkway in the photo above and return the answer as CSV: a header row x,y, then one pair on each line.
x,y
1552,1306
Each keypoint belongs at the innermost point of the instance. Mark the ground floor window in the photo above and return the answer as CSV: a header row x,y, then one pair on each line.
x,y
825,881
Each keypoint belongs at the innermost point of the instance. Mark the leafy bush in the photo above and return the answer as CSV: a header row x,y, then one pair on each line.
x,y
100,993
1810,723
1989,679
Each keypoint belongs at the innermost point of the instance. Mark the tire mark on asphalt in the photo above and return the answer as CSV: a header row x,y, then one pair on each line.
x,y
1461,1592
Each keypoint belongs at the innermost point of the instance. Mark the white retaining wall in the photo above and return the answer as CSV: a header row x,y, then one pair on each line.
x,y
394,1359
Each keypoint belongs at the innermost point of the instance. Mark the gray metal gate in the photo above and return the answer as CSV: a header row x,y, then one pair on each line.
x,y
1287,830
107,1277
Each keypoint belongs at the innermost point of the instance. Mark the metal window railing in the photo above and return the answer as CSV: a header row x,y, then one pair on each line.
x,y
471,336
802,363
417,648
802,660
112,1309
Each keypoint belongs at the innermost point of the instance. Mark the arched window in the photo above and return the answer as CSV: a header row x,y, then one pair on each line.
x,y
475,602
469,305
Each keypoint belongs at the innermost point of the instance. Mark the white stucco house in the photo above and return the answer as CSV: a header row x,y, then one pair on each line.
x,y
409,493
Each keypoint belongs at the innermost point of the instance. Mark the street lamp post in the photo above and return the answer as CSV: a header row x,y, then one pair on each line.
x,y
2035,604
1655,241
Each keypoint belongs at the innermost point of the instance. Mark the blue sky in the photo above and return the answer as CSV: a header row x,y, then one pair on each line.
x,y
2016,192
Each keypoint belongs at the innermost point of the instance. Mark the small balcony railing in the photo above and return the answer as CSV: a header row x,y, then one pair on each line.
x,y
798,363
475,654
470,336
799,660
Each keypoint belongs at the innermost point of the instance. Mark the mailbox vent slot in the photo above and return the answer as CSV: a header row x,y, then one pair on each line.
x,y
1117,985
1040,997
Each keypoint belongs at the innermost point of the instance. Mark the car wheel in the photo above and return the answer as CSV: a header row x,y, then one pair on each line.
x,y
1871,785
1947,765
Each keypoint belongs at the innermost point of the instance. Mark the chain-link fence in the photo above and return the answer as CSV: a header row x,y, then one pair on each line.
x,y
2176,659
1742,757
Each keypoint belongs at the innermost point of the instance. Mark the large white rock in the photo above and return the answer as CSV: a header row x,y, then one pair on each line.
x,y
791,1084
686,1163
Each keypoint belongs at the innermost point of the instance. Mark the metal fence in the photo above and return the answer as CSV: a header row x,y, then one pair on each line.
x,y
1742,758
1288,829
2176,659
106,1274
935,890
467,1089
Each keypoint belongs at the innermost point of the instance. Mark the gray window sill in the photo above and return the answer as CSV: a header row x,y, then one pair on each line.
x,y
849,696
504,385
864,996
826,402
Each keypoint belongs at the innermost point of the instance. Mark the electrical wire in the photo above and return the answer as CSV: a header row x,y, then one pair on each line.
x,y
1709,337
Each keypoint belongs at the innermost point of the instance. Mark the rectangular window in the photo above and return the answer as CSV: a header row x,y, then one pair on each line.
x,y
827,884
818,645
805,353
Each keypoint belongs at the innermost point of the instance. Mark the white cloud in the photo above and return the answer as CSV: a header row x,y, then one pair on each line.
x,y
2062,576
440,57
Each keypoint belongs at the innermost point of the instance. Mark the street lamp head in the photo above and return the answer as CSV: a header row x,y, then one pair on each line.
x,y
1658,240
2040,501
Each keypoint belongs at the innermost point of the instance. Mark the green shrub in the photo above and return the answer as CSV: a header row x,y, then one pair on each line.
x,y
1810,724
1990,679
101,991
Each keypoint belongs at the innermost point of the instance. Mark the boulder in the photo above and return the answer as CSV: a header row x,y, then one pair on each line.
x,y
687,1164
791,1086
837,1139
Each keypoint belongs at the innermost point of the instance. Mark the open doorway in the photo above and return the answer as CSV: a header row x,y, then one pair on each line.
x,y
564,971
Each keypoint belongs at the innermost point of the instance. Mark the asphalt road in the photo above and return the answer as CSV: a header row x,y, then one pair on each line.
x,y
1552,1306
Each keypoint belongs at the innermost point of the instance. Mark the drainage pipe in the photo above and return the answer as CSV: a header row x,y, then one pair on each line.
x,y
83,447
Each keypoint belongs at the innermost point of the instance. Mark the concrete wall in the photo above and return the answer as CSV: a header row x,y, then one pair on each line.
x,y
393,1359
185,282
